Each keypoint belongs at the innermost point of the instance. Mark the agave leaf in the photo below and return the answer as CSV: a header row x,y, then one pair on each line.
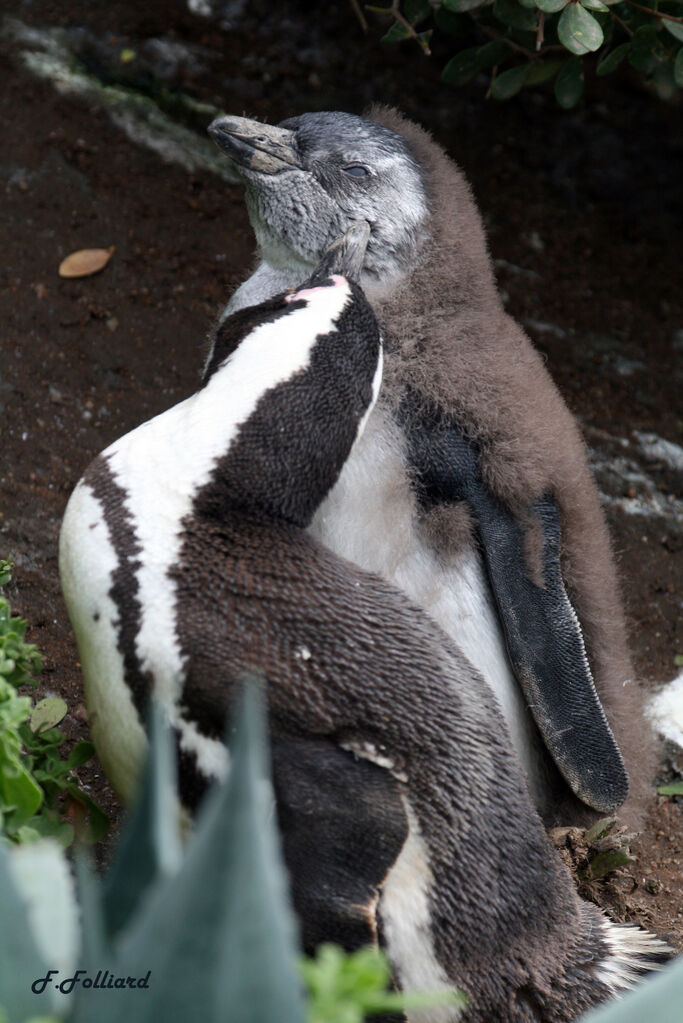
x,y
94,944
658,1000
20,961
149,848
217,937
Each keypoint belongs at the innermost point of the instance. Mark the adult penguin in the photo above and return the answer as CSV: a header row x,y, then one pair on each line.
x,y
185,560
470,489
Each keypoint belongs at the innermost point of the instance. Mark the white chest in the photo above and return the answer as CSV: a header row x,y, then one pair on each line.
x,y
370,518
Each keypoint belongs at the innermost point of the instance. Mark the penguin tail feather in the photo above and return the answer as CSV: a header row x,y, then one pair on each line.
x,y
632,952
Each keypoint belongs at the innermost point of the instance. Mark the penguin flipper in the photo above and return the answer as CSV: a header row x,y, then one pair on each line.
x,y
541,629
343,824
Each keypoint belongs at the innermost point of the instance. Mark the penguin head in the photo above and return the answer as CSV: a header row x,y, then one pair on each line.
x,y
300,373
309,178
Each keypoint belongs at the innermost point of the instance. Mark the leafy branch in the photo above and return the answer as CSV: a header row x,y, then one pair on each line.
x,y
536,41
38,787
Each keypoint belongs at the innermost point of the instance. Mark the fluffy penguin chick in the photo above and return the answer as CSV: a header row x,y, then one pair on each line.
x,y
185,560
470,488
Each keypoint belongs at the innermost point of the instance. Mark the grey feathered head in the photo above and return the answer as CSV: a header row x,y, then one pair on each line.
x,y
312,176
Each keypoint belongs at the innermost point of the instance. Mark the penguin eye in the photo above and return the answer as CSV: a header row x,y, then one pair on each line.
x,y
356,170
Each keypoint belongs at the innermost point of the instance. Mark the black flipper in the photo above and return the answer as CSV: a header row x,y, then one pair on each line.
x,y
541,629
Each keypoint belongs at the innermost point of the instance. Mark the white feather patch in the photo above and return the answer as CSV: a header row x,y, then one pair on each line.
x,y
369,518
405,912
631,952
87,562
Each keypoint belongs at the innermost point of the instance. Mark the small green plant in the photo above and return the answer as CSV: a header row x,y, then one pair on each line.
x,y
346,987
522,43
35,782
207,930
674,789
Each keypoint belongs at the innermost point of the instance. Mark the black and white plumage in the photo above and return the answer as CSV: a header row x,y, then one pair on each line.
x,y
470,489
185,560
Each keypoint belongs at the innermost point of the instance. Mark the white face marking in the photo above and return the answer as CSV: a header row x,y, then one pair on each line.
x,y
405,911
165,462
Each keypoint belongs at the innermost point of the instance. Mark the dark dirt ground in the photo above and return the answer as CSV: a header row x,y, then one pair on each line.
x,y
584,216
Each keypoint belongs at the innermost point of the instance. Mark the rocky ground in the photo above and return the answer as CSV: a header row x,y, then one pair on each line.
x,y
102,110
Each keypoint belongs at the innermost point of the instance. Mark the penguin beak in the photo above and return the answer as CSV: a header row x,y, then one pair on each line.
x,y
256,146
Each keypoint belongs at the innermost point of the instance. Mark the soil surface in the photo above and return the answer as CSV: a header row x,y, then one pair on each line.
x,y
583,212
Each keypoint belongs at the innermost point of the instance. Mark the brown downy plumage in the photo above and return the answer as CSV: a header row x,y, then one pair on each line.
x,y
460,350
470,488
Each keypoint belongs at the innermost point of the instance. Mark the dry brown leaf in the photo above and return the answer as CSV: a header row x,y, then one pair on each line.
x,y
85,262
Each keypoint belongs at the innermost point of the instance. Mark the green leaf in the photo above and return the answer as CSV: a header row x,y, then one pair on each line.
x,y
217,936
664,80
416,11
510,13
47,713
678,78
678,658
612,60
149,849
675,789
594,5
600,829
674,27
551,6
396,34
542,70
349,987
569,84
95,949
464,5
44,881
508,83
604,863
450,23
493,53
20,960
18,789
643,46
461,68
50,825
578,30
80,754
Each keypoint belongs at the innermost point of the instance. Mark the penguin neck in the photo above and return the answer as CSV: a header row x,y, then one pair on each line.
x,y
207,450
271,278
